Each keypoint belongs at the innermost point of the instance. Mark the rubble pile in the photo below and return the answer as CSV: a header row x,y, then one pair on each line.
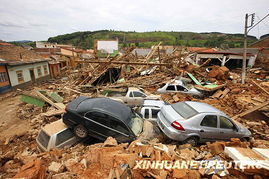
x,y
109,158
246,103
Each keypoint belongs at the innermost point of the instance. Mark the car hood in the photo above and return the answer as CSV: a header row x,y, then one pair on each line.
x,y
242,129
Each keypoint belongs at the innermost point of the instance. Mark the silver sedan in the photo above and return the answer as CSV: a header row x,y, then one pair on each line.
x,y
193,122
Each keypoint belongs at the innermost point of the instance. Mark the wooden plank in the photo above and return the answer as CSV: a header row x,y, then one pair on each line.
x,y
32,100
251,110
56,105
122,63
224,93
260,87
217,94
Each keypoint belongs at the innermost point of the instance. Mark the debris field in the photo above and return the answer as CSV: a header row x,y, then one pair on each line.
x,y
246,103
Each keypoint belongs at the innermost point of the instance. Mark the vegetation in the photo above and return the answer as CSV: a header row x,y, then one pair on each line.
x,y
86,39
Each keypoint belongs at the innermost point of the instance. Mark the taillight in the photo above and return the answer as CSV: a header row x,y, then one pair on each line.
x,y
177,126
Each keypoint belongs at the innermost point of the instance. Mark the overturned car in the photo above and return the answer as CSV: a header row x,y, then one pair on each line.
x,y
101,118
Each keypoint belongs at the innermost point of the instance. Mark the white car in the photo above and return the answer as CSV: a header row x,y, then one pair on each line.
x,y
179,86
150,109
55,135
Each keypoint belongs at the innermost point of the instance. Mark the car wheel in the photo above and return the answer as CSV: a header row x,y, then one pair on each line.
x,y
80,131
192,140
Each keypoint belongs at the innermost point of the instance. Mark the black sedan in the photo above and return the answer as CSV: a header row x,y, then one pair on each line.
x,y
101,118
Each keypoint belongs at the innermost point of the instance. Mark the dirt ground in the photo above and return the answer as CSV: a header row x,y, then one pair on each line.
x,y
10,124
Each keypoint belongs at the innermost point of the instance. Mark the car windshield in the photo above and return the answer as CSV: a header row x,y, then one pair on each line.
x,y
184,110
43,138
136,124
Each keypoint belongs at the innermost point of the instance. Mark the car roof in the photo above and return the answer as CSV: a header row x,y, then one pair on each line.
x,y
108,106
203,107
54,127
154,103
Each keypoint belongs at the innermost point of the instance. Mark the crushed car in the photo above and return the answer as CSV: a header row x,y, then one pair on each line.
x,y
101,118
195,122
55,135
179,86
150,109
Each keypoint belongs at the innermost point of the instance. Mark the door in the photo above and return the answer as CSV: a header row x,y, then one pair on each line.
x,y
118,130
32,74
97,124
227,128
209,130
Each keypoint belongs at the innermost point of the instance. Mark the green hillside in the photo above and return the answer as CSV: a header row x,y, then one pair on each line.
x,y
86,39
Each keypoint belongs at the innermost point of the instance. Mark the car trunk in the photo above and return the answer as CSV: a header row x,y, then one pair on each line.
x,y
169,115
74,104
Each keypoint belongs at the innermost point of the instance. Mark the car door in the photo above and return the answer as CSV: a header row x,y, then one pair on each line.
x,y
227,129
97,124
118,130
209,130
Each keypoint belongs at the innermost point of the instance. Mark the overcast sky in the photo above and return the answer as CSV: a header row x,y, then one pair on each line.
x,y
41,19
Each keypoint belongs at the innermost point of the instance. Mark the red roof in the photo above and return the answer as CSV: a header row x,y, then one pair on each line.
x,y
5,44
200,49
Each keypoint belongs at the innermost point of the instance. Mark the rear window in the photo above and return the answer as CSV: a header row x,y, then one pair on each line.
x,y
43,139
64,136
184,110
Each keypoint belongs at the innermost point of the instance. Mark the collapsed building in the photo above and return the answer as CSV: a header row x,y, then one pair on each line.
x,y
246,103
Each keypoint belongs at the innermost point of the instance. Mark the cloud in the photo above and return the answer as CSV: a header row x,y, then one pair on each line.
x,y
39,20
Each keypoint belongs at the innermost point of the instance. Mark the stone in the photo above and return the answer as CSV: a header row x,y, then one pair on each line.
x,y
180,173
32,170
194,174
65,175
216,148
56,167
215,177
110,141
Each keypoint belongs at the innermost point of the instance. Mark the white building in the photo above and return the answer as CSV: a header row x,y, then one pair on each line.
x,y
21,73
45,45
105,47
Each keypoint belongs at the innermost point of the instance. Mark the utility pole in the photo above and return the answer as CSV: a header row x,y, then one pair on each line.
x,y
245,51
251,26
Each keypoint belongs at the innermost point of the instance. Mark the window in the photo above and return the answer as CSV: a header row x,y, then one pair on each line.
x,y
184,110
117,125
3,77
225,123
43,138
64,136
209,121
98,117
146,113
181,88
45,69
154,113
39,72
138,94
171,87
20,76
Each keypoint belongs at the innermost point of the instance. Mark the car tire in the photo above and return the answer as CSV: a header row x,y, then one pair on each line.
x,y
192,140
80,131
